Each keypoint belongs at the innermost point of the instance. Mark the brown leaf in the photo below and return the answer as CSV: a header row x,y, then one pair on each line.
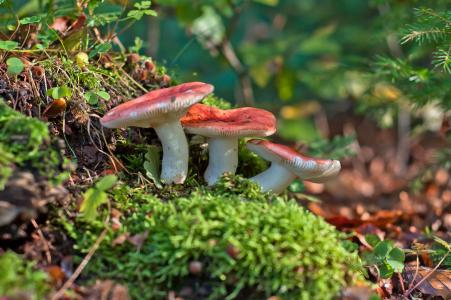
x,y
56,273
107,289
437,283
138,239
120,239
357,293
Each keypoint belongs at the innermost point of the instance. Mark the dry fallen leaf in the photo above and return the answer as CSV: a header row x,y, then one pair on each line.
x,y
138,239
437,283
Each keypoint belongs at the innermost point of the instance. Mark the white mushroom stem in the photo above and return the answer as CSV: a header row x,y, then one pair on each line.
x,y
276,178
174,167
222,158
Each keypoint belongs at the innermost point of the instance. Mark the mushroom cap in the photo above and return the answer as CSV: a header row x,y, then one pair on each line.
x,y
303,166
157,106
210,121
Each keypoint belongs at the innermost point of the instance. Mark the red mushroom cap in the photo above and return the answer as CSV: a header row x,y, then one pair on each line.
x,y
156,106
303,166
214,122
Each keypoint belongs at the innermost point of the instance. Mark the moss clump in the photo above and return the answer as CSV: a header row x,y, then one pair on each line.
x,y
25,143
215,101
248,245
19,278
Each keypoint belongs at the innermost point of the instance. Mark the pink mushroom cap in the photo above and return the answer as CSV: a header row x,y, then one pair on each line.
x,y
240,122
157,106
303,166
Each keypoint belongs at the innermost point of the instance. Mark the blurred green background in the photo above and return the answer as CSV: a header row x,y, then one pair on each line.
x,y
307,61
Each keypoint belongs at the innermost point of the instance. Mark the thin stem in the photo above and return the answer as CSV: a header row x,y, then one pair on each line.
x,y
409,291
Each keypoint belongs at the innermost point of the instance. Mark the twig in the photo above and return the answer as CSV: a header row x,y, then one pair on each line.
x,y
229,53
416,272
401,281
111,156
44,241
80,267
409,291
134,81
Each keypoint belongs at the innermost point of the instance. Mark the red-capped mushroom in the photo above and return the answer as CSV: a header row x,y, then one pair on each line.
x,y
223,129
162,110
287,164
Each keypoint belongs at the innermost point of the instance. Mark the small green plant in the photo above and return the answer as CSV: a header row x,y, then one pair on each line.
x,y
387,258
18,276
96,196
15,66
60,92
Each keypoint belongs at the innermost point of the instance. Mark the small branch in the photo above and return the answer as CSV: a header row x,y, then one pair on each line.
x,y
228,52
409,291
44,241
80,268
416,272
401,282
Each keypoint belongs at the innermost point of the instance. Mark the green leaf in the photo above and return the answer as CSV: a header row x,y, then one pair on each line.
x,y
396,259
96,196
92,199
92,4
385,270
143,5
296,186
371,259
8,45
138,14
15,65
101,48
268,2
91,98
372,240
30,20
104,95
59,92
382,249
350,246
152,165
106,182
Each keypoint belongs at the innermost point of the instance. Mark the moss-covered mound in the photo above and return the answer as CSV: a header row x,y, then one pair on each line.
x,y
219,244
25,143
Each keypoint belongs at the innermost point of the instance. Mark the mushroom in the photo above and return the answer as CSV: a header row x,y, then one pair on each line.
x,y
162,110
287,164
223,128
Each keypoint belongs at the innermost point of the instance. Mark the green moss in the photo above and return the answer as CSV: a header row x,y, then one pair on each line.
x,y
25,142
215,101
18,276
248,242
